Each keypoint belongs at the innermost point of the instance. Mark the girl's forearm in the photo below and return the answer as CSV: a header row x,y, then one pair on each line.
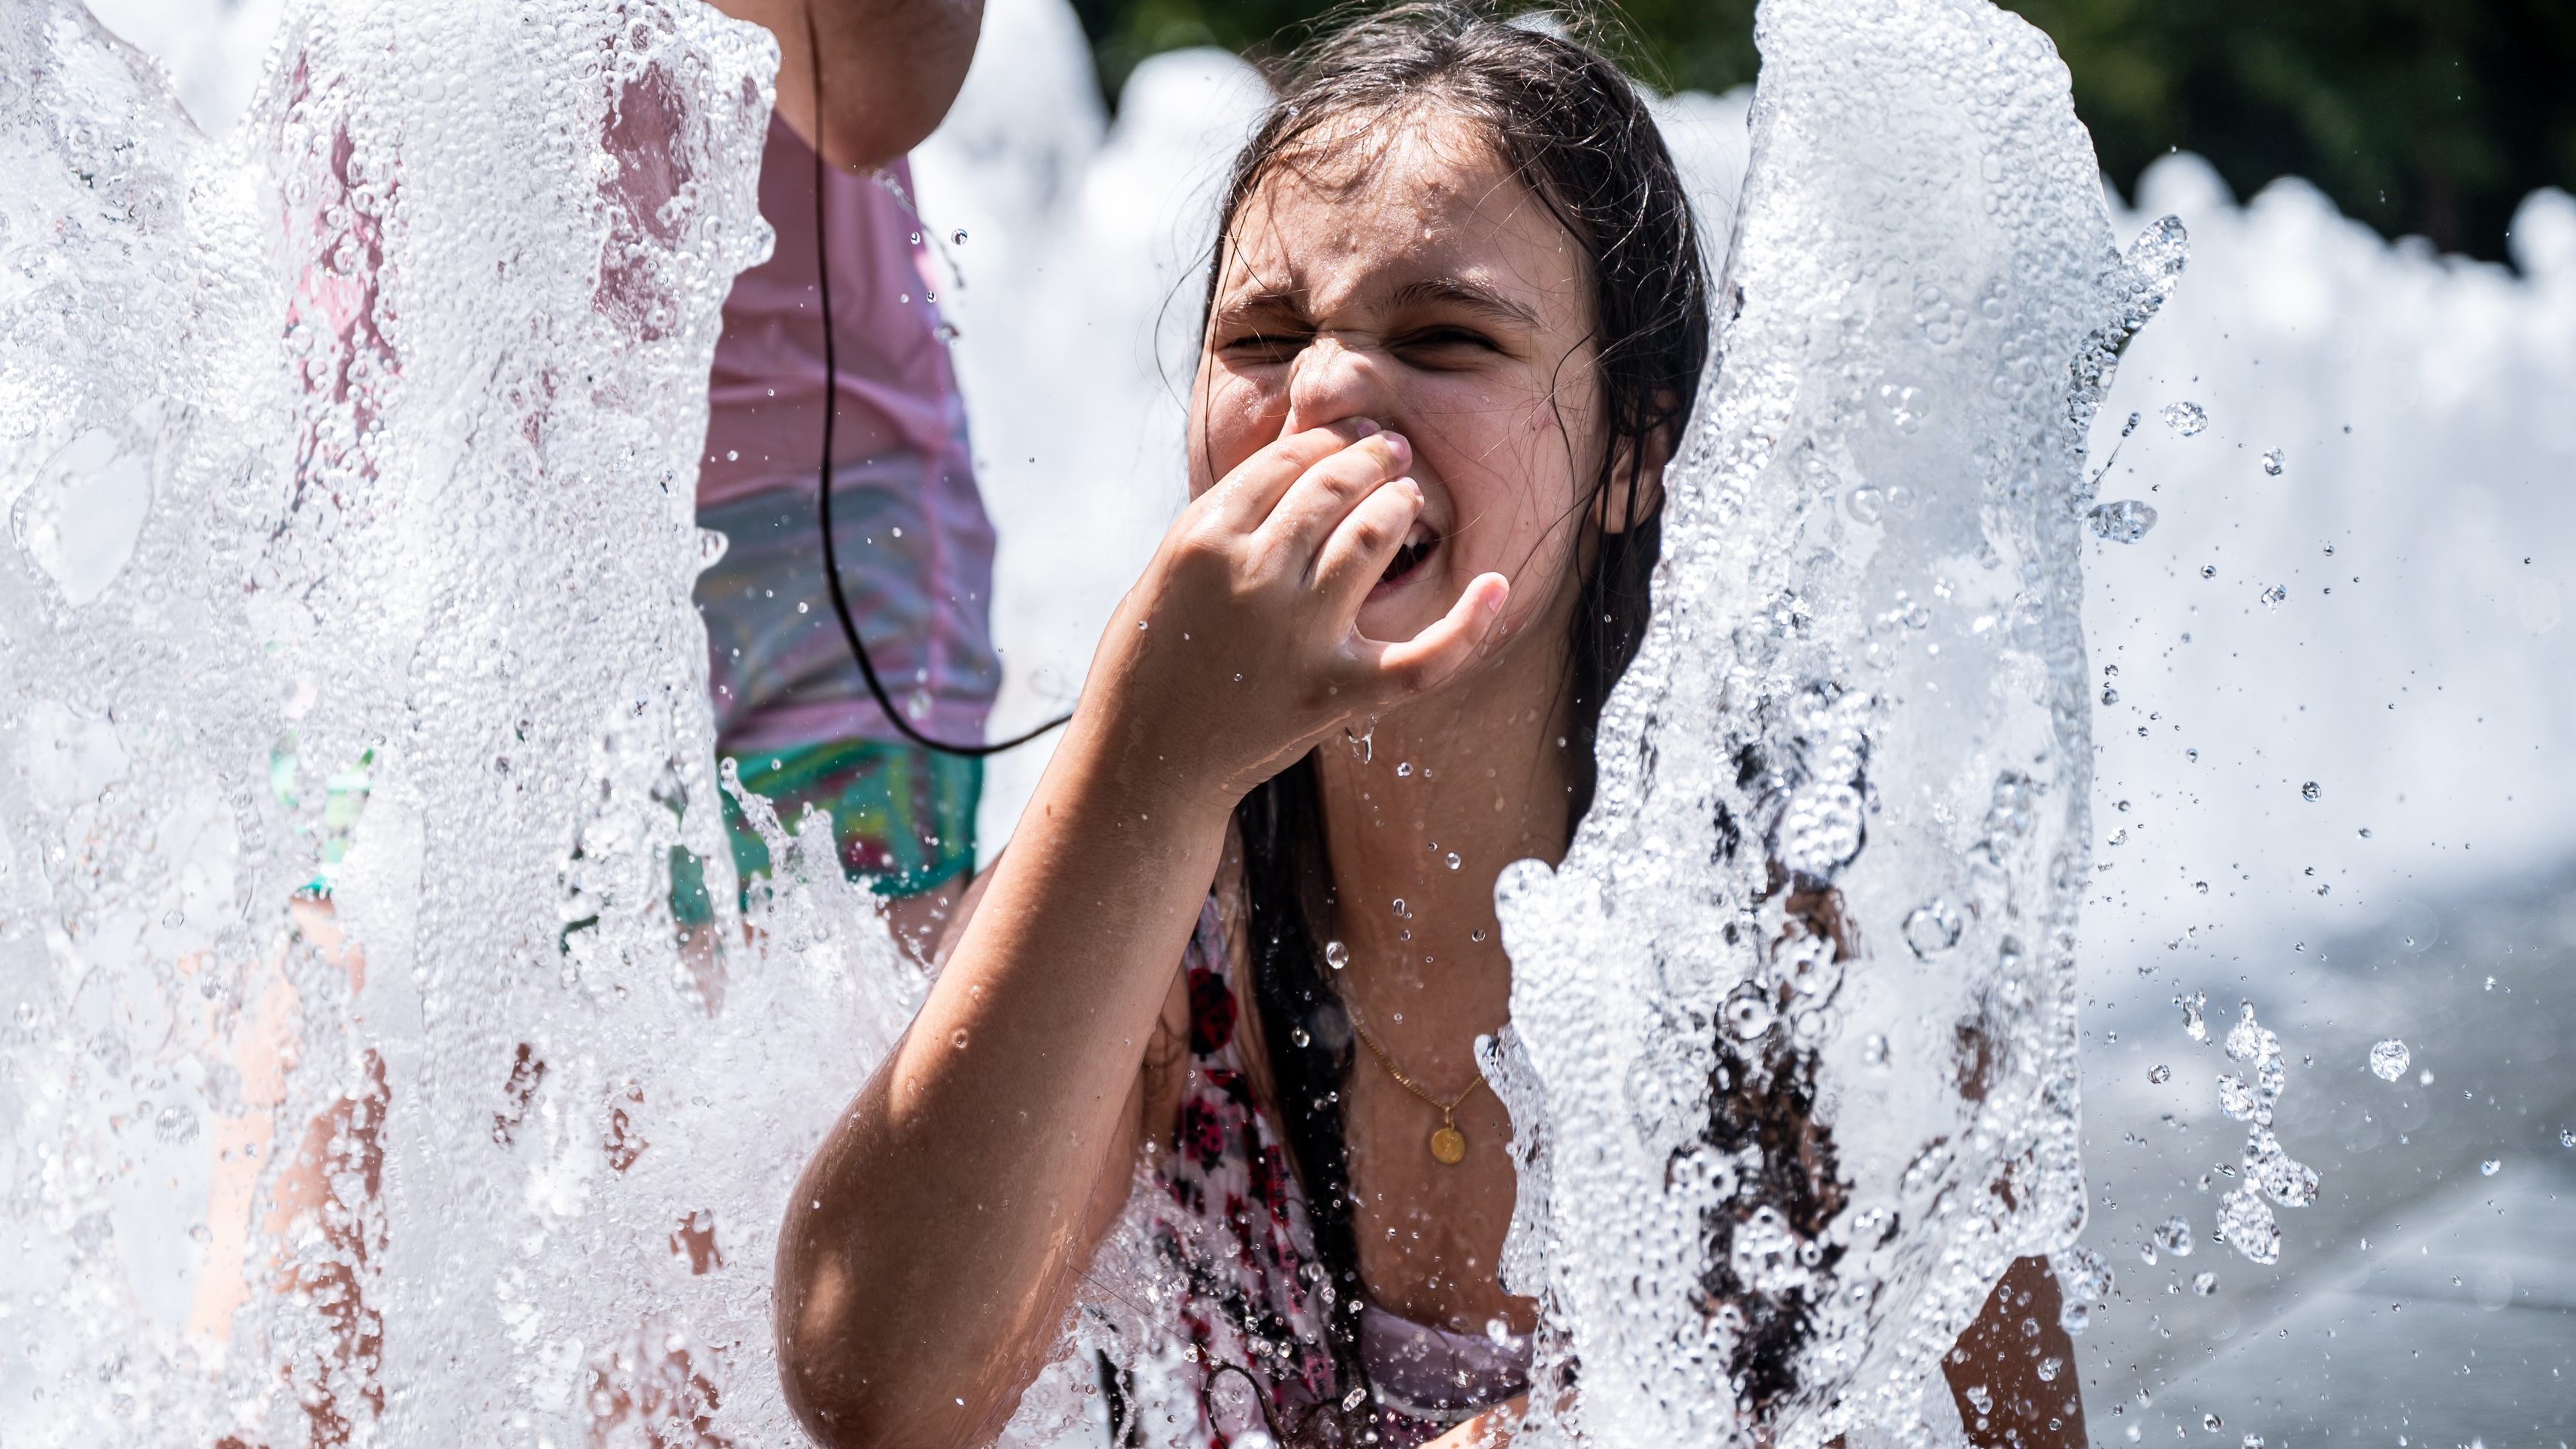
x,y
930,1249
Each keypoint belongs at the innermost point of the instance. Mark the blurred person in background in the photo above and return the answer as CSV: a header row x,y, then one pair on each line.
x,y
914,546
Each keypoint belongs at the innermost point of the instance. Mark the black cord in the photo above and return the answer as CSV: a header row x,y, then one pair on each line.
x,y
823,472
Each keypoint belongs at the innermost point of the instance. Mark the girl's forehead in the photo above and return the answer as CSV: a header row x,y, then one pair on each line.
x,y
1356,211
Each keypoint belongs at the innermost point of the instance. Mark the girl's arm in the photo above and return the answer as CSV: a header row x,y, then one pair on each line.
x,y
2001,1357
934,1244
891,69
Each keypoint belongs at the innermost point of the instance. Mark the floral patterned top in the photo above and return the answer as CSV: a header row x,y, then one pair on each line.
x,y
1229,1226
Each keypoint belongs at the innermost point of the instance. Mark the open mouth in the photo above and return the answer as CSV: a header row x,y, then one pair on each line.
x,y
1417,547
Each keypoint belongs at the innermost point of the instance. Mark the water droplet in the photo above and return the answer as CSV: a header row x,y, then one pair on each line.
x,y
1336,955
2205,1284
176,1125
1403,912
2253,1441
2209,1422
2272,461
2567,1137
2388,1060
2274,596
1453,860
1932,928
1873,1050
2159,1074
1403,768
1298,1035
1477,934
2491,1167
2186,418
2209,571
1498,1331
2235,1098
2124,521
2194,1024
2246,1225
2365,832
958,237
2309,791
2110,695
957,1038
2173,1235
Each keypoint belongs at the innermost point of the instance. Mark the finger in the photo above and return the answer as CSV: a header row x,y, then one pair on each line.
x,y
1325,494
1430,658
1355,557
1244,497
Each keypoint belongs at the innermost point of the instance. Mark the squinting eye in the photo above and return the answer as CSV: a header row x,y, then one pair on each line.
x,y
1263,347
1447,339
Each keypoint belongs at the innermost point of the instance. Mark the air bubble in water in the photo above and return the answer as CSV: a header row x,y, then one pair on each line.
x,y
1403,912
2124,521
2309,791
1403,769
2274,596
2272,461
2491,1167
176,1125
2209,1422
2567,1137
2209,571
2204,1283
1336,955
2186,418
1748,1012
1932,928
2388,1060
958,237
2159,1074
1453,860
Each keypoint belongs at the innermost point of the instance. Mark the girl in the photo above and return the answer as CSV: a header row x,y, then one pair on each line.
x,y
1244,941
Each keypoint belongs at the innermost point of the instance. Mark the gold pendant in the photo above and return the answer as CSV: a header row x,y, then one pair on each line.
x,y
1448,1146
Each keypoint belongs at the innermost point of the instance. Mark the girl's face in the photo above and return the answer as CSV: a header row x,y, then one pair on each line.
x,y
1398,272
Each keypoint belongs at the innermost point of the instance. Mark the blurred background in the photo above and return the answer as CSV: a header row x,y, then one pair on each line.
x,y
2430,117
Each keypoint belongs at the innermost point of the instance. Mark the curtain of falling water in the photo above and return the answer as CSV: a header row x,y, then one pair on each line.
x,y
1784,1140
349,469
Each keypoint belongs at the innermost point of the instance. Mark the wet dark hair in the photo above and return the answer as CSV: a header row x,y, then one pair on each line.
x,y
1573,128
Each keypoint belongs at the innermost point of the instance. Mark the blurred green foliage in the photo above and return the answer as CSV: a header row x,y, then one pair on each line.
x,y
2433,117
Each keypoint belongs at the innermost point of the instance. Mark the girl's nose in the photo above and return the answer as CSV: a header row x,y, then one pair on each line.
x,y
1331,381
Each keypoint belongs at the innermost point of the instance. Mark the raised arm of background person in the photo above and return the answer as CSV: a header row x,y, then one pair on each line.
x,y
891,69
933,1245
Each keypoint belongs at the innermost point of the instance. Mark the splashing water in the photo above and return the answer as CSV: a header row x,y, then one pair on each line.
x,y
353,721
373,566
1658,1030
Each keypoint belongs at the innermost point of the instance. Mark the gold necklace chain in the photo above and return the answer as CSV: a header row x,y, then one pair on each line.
x,y
1448,1144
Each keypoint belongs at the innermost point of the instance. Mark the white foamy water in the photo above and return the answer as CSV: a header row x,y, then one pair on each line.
x,y
407,482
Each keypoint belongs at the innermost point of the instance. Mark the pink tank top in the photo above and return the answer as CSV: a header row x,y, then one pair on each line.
x,y
916,546
897,387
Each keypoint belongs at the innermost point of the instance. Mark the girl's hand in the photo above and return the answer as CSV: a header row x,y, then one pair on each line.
x,y
1238,650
